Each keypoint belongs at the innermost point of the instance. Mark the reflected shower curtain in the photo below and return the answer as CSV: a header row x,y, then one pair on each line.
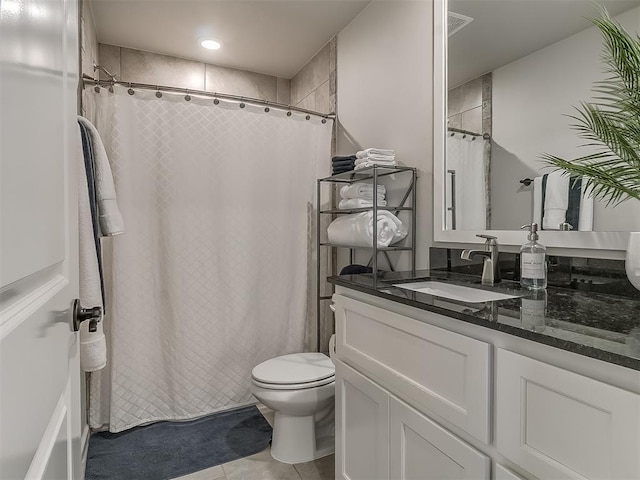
x,y
466,176
211,275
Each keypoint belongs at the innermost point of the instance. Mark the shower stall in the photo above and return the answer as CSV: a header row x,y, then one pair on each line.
x,y
212,274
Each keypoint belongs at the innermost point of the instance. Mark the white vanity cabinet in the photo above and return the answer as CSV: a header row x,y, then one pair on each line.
x,y
416,399
381,437
557,424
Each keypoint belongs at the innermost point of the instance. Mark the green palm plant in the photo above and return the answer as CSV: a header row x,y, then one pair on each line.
x,y
611,123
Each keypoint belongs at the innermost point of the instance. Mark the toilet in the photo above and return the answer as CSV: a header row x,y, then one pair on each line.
x,y
300,389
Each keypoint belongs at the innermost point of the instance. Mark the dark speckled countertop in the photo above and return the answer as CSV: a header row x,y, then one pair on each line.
x,y
598,325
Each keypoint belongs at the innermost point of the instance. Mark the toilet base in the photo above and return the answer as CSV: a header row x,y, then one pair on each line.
x,y
299,439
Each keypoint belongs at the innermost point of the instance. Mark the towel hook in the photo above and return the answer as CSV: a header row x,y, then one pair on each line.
x,y
526,181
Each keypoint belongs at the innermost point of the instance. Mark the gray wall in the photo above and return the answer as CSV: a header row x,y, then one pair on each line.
x,y
385,69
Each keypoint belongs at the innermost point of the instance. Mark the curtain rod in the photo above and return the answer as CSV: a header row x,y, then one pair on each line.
x,y
86,79
486,136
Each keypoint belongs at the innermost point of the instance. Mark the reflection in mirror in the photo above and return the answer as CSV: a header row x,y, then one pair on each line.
x,y
516,70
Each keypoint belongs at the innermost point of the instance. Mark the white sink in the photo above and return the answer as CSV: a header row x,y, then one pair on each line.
x,y
455,292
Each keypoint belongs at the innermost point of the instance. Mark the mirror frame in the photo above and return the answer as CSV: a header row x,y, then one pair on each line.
x,y
596,244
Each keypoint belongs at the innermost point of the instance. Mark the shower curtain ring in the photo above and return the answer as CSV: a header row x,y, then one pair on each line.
x,y
187,97
216,101
324,120
158,92
266,109
130,91
242,105
289,113
111,87
308,117
96,89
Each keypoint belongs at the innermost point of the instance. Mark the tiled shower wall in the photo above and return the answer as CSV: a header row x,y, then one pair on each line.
x,y
136,66
314,86
469,105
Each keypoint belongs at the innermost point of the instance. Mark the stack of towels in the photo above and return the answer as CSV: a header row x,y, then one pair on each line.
x,y
360,195
343,163
375,156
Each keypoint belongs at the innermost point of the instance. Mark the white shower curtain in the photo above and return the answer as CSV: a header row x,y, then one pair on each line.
x,y
211,275
465,162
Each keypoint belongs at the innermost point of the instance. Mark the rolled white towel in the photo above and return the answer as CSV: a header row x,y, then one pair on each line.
x,y
361,190
371,163
93,348
374,151
356,229
347,203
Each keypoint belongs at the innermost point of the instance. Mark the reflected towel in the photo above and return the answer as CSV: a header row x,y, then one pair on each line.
x,y
357,229
555,200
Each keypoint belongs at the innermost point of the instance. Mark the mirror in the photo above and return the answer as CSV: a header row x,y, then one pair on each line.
x,y
512,73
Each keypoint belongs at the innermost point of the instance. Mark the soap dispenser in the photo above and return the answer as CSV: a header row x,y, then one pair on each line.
x,y
533,261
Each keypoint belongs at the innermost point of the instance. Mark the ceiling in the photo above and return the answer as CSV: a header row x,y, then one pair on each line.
x,y
275,37
504,30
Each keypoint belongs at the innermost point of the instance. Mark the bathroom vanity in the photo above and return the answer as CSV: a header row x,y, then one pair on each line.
x,y
527,386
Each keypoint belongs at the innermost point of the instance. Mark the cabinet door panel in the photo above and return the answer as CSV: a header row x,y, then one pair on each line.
x,y
502,473
438,371
362,427
420,449
557,424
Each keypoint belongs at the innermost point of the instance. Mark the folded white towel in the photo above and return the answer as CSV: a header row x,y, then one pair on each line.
x,y
374,151
361,190
111,222
376,158
371,163
556,200
347,203
93,351
356,229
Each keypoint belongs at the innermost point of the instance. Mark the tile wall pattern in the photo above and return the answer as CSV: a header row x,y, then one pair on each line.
x,y
144,67
314,86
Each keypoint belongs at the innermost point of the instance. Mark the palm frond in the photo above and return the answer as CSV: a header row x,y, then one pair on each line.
x,y
611,123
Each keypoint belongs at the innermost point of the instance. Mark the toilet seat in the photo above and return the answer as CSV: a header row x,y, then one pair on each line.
x,y
295,371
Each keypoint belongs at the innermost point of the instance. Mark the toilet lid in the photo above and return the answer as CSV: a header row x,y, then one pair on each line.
x,y
294,368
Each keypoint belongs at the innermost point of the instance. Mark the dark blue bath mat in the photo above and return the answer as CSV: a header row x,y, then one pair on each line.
x,y
165,450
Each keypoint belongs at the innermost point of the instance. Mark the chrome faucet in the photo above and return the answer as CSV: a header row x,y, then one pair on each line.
x,y
491,268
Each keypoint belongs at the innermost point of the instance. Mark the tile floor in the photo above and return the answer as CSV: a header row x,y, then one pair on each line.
x,y
262,466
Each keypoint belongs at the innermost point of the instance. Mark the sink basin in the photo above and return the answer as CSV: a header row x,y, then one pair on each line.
x,y
455,292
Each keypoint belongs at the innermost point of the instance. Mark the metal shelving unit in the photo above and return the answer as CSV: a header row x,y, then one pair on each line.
x,y
370,174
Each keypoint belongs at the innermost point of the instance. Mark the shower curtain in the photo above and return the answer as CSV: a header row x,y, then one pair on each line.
x,y
465,163
211,276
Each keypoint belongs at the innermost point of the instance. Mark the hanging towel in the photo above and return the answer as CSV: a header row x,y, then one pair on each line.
x,y
374,151
585,219
347,203
111,222
537,201
361,190
356,229
93,351
555,188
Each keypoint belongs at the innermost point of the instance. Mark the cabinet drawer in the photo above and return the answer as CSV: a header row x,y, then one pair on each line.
x,y
561,425
435,370
420,448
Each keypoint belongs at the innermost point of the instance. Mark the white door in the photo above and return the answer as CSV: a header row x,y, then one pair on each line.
x,y
362,427
420,449
39,365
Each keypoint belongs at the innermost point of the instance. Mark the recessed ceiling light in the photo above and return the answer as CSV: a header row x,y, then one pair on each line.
x,y
210,44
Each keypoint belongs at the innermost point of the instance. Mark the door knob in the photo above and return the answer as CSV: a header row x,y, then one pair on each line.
x,y
81,314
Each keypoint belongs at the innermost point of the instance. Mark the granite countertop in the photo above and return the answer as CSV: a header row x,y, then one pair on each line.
x,y
602,326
